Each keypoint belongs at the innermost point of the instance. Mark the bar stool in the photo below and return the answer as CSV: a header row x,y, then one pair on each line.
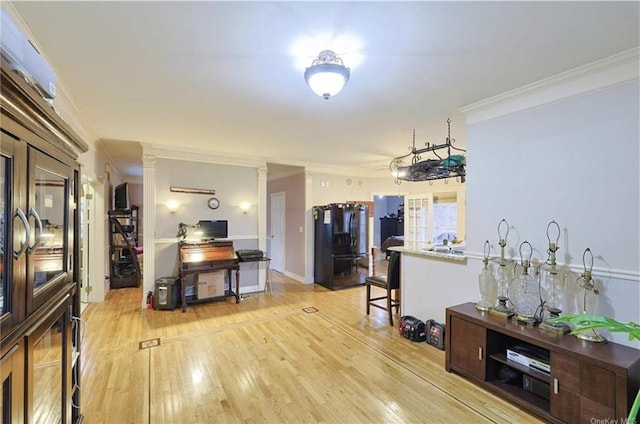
x,y
389,282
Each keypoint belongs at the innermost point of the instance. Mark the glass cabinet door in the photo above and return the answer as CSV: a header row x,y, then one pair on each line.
x,y
48,370
13,232
50,220
12,371
5,211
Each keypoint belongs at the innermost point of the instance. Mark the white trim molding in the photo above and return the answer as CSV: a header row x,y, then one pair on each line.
x,y
169,240
149,222
619,69
617,274
298,278
195,155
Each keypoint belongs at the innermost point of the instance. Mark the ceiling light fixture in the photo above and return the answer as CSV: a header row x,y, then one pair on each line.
x,y
327,75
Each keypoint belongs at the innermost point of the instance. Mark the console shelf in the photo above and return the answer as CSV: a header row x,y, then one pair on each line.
x,y
502,358
587,382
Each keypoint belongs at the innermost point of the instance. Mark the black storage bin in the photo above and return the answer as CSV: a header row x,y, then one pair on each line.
x,y
167,293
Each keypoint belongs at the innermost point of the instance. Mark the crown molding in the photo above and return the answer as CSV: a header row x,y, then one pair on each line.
x,y
337,170
196,155
619,69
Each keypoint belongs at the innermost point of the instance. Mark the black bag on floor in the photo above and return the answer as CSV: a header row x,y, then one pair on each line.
x,y
435,334
412,328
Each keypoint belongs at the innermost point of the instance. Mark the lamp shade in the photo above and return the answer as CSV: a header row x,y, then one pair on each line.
x,y
327,75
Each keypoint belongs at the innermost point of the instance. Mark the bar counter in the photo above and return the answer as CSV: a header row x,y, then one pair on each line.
x,y
432,281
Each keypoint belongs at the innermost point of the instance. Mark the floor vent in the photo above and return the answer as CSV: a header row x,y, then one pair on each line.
x,y
145,344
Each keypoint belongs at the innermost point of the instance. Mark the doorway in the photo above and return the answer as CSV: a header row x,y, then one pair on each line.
x,y
86,225
276,238
388,218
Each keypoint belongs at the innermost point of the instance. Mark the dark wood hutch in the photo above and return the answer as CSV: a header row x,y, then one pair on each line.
x,y
39,257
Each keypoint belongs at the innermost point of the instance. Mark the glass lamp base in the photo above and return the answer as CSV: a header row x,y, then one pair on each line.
x,y
501,309
555,327
483,306
522,319
591,336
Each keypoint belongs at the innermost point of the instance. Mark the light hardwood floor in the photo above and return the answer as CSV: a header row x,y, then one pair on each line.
x,y
270,359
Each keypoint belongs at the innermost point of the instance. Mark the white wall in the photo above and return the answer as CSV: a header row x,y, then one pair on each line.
x,y
232,184
574,161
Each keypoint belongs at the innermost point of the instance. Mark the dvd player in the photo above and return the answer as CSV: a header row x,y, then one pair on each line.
x,y
531,357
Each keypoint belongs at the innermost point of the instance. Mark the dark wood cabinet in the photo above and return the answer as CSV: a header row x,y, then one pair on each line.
x,y
566,388
581,390
390,226
470,357
586,382
12,391
39,288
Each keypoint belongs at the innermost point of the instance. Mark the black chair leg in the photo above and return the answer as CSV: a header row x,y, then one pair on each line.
x,y
368,297
389,308
397,301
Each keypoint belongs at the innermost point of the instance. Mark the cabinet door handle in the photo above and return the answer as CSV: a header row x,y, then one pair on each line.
x,y
556,386
27,228
480,354
33,213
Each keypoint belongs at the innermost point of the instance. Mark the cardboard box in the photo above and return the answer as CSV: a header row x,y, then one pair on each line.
x,y
211,284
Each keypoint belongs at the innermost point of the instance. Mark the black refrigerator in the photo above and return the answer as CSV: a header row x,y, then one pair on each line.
x,y
340,241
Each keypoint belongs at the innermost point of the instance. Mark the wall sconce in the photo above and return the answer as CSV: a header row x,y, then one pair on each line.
x,y
245,206
172,205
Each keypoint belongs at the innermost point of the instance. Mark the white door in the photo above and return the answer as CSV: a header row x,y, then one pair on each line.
x,y
276,238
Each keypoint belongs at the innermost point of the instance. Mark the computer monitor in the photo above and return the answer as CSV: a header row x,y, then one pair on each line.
x,y
121,197
211,230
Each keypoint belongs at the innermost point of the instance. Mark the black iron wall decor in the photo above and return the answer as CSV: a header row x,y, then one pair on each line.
x,y
413,167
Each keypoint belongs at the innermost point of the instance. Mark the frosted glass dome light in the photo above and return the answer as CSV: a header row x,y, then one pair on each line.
x,y
327,75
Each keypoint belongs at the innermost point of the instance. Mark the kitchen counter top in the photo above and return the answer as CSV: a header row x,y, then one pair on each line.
x,y
454,256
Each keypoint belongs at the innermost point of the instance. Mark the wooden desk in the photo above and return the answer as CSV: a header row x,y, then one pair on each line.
x,y
207,257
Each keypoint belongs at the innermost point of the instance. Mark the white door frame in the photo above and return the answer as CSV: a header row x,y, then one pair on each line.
x,y
277,231
86,233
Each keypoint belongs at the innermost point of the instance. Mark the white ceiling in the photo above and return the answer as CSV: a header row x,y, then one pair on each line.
x,y
227,77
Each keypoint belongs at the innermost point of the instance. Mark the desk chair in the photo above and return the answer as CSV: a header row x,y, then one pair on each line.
x,y
389,282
